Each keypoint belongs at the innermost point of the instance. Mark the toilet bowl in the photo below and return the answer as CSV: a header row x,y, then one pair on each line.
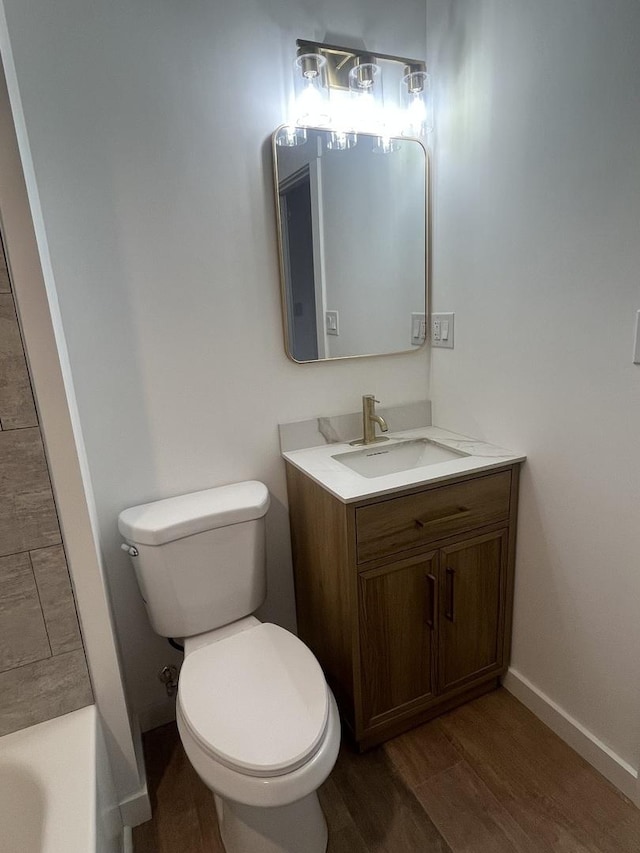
x,y
261,728
256,717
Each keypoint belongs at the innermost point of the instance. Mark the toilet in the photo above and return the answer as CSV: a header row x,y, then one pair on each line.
x,y
256,717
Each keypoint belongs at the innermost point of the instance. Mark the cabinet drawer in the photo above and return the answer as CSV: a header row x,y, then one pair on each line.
x,y
400,523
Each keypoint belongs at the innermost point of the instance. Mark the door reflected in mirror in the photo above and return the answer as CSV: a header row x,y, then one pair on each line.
x,y
352,224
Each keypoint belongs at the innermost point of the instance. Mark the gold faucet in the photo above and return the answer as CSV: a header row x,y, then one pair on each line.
x,y
369,421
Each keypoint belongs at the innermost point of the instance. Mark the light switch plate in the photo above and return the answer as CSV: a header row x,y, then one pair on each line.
x,y
442,330
331,322
418,329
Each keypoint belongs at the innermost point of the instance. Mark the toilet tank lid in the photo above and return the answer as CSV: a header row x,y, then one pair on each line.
x,y
164,521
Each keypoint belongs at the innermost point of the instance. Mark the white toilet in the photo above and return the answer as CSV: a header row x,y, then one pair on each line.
x,y
256,717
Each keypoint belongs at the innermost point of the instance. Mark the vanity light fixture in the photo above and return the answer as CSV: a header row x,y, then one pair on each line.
x,y
342,89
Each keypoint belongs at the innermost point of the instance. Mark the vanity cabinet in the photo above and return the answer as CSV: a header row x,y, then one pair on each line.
x,y
406,598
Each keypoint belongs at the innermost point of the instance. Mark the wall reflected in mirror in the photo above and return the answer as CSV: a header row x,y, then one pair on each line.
x,y
352,223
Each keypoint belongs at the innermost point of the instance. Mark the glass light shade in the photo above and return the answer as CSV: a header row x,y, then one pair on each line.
x,y
365,85
312,92
341,140
417,104
290,136
385,145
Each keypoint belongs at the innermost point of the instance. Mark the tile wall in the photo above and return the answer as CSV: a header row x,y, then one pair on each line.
x,y
43,671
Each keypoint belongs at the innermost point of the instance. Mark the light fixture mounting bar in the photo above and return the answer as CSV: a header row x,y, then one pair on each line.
x,y
340,60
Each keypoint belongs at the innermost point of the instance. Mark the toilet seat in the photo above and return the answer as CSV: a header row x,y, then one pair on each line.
x,y
265,791
256,702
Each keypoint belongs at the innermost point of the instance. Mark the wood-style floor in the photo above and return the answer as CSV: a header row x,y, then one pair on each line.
x,y
488,777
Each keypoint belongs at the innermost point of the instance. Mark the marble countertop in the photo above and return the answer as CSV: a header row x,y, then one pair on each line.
x,y
348,486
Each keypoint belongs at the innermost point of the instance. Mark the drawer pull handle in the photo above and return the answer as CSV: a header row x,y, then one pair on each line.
x,y
461,510
448,612
430,600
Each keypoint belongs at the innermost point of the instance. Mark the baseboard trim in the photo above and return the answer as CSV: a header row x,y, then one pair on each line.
x,y
585,743
136,809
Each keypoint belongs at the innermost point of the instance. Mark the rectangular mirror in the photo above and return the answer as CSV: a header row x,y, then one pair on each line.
x,y
352,215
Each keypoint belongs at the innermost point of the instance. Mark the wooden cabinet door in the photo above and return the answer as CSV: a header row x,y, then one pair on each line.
x,y
472,595
398,614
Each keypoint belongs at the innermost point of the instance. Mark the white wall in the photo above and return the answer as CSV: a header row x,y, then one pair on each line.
x,y
149,125
537,250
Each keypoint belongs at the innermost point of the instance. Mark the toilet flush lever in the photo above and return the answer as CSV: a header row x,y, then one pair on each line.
x,y
131,551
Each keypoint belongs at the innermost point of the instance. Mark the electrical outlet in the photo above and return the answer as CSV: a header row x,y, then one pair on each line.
x,y
442,330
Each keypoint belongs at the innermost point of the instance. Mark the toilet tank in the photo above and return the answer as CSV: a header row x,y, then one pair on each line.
x,y
199,558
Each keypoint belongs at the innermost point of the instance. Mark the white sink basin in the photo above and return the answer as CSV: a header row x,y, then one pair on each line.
x,y
381,459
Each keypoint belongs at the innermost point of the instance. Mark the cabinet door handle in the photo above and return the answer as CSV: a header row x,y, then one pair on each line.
x,y
430,599
461,510
450,577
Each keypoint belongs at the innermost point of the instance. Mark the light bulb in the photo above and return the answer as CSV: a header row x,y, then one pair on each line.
x,y
416,112
367,110
310,106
